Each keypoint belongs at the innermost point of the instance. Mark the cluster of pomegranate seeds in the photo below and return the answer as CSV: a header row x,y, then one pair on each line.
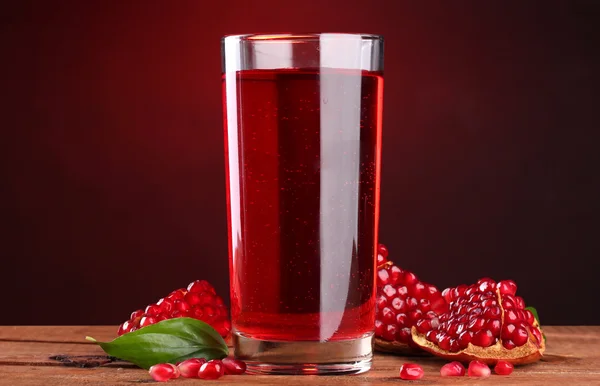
x,y
197,368
199,301
402,302
485,321
411,372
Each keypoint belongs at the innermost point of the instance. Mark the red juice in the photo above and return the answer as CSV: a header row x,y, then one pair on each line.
x,y
303,189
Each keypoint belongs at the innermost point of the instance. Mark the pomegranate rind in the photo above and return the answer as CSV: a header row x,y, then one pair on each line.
x,y
398,348
528,353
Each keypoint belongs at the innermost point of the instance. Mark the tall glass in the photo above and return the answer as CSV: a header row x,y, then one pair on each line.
x,y
302,145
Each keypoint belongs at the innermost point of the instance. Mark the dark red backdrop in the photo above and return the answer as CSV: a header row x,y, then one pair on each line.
x,y
112,189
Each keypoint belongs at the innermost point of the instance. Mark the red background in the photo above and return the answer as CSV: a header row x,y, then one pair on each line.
x,y
112,189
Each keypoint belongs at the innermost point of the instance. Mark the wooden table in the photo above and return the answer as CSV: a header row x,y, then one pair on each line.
x,y
51,356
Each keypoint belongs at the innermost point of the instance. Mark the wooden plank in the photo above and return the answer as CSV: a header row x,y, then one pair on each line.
x,y
573,356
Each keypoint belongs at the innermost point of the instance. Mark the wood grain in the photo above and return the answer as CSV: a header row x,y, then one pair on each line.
x,y
573,357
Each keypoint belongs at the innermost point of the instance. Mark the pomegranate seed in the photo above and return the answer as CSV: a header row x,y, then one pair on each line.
x,y
181,306
494,326
508,331
382,250
387,315
423,325
444,342
479,369
404,335
520,336
508,344
402,320
383,277
211,370
409,278
136,314
163,372
125,327
395,275
464,339
415,315
146,321
411,371
425,306
200,286
189,368
447,295
492,312
177,294
432,336
507,287
234,366
476,324
381,302
452,369
486,284
489,303
537,334
379,328
399,305
519,302
503,368
152,310
390,332
192,298
483,338
165,305
528,316
389,291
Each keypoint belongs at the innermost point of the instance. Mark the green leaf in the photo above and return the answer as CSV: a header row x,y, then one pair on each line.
x,y
168,341
537,318
535,314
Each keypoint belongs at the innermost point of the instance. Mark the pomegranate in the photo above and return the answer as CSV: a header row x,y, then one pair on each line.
x,y
411,372
486,322
199,301
402,302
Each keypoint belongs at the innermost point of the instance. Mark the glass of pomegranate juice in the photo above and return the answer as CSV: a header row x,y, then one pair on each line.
x,y
303,143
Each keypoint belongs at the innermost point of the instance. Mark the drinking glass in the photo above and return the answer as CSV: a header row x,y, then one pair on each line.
x,y
302,145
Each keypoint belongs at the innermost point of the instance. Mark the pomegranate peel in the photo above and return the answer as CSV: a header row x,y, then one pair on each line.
x,y
512,334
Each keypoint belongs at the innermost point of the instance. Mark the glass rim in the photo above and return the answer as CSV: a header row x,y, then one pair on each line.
x,y
300,37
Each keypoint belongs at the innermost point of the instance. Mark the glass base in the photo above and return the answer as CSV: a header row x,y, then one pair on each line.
x,y
302,357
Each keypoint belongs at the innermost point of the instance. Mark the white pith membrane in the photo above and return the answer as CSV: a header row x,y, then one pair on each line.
x,y
490,355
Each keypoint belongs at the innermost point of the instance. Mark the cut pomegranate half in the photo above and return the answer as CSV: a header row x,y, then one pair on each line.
x,y
402,302
486,322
